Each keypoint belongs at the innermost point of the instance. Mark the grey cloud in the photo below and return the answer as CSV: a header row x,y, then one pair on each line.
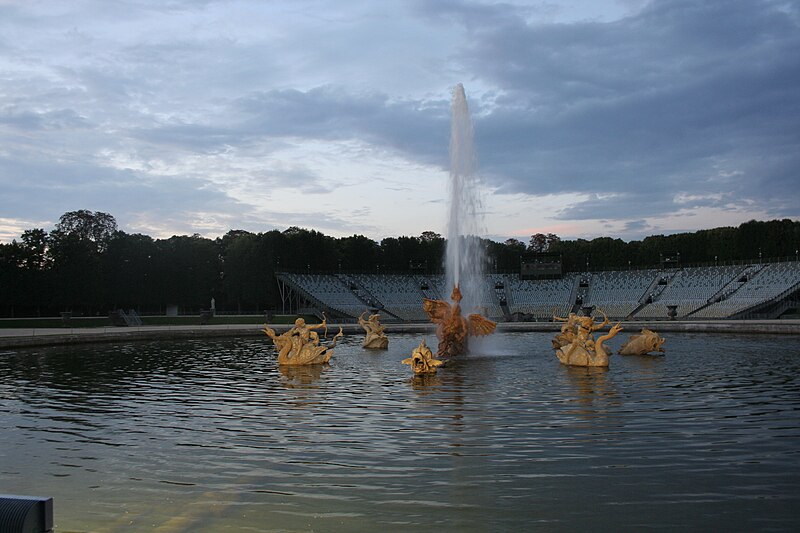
x,y
297,177
30,120
418,128
649,101
59,188
697,99
636,226
190,136
322,221
622,206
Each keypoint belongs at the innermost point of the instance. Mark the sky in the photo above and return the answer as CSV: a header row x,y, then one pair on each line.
x,y
620,118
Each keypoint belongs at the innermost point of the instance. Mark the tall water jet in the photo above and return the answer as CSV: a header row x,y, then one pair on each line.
x,y
465,257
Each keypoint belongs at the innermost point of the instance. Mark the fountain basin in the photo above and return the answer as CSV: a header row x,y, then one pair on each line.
x,y
212,435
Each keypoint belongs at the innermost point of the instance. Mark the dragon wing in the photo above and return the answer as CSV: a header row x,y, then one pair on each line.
x,y
437,310
479,325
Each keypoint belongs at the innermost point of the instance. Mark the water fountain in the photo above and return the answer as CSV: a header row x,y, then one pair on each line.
x,y
465,255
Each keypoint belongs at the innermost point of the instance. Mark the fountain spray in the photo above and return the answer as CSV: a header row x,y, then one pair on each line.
x,y
466,256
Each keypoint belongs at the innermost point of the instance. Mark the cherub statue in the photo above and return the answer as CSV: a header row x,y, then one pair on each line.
x,y
568,330
422,361
375,337
587,326
453,329
300,345
642,344
581,352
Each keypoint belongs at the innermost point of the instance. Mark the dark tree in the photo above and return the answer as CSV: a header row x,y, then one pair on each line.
x,y
357,251
247,274
540,242
131,277
86,265
97,226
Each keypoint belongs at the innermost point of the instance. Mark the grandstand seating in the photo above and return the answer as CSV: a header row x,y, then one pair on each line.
x,y
689,290
767,283
331,291
542,298
400,295
619,293
697,292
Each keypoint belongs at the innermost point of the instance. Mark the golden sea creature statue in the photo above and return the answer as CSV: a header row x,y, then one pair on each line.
x,y
422,361
453,329
300,345
642,344
375,337
576,346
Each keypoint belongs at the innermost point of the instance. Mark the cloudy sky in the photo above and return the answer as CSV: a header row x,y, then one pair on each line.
x,y
624,118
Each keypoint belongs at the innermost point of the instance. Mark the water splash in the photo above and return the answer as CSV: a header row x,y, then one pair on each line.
x,y
466,255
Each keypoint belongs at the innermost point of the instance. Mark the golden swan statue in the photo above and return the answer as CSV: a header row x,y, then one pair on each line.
x,y
583,353
575,344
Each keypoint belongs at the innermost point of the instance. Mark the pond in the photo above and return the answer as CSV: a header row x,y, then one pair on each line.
x,y
212,435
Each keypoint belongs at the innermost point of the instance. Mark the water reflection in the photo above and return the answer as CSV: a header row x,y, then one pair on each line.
x,y
301,376
591,389
425,383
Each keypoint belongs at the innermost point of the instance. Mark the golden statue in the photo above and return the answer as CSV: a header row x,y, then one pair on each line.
x,y
452,328
585,354
567,334
580,327
375,337
642,344
575,345
300,345
422,361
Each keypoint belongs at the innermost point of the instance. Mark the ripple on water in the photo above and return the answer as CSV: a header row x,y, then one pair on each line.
x,y
214,436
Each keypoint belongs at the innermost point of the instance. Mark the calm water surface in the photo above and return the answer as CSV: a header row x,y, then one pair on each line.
x,y
212,436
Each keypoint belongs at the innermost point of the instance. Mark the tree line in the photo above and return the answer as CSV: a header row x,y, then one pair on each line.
x,y
88,266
